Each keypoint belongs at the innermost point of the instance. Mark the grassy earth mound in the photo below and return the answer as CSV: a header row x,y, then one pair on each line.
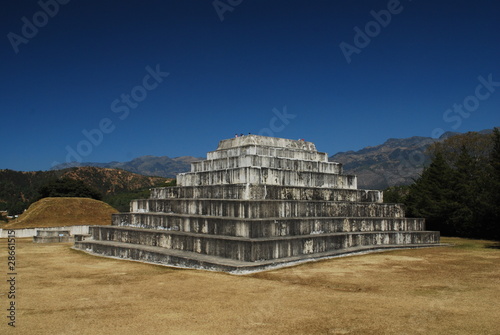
x,y
64,211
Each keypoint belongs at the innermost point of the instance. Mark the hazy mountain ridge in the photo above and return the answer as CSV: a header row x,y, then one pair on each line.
x,y
397,161
161,166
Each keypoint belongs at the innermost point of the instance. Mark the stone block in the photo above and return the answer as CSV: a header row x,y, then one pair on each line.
x,y
53,236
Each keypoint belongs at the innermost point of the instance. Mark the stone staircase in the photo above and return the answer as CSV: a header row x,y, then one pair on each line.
x,y
256,203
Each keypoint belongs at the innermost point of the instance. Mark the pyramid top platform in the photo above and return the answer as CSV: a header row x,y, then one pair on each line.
x,y
262,160
265,141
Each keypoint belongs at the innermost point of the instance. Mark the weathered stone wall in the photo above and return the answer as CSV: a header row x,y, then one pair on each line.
x,y
265,141
30,232
270,152
250,250
266,176
266,208
267,192
265,162
53,236
255,228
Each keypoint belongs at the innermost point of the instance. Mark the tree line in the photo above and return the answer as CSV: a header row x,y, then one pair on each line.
x,y
458,193
19,189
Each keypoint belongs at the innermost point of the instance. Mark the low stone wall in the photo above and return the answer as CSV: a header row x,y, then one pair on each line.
x,y
30,232
53,236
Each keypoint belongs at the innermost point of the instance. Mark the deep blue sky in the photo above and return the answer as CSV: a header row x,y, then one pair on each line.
x,y
228,76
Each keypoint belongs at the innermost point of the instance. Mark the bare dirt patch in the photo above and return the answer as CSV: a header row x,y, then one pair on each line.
x,y
443,290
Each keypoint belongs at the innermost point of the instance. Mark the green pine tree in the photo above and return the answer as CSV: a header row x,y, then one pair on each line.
x,y
458,193
492,196
431,197
465,189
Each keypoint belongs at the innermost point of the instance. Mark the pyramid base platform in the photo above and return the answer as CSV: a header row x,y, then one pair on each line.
x,y
192,260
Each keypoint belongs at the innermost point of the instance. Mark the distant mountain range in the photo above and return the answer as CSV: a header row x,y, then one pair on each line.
x,y
395,162
159,166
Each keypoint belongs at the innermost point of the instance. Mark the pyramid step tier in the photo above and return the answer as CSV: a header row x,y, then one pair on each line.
x,y
191,260
256,228
266,176
266,208
267,162
267,192
250,250
266,141
290,153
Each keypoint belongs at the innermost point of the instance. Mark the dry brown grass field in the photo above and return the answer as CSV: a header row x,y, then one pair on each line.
x,y
441,290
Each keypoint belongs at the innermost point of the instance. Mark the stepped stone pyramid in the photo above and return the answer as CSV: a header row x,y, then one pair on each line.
x,y
255,203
